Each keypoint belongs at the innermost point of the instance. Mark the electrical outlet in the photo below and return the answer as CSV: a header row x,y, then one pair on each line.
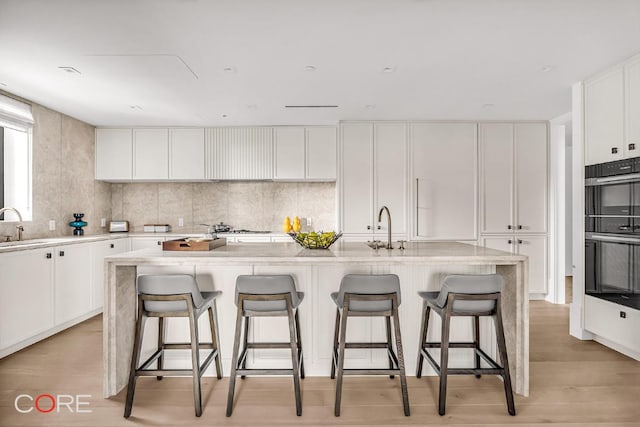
x,y
103,222
180,222
52,225
308,222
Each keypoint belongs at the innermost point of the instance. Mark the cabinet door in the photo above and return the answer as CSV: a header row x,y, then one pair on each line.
x,y
113,154
321,153
390,182
357,175
499,243
26,284
632,110
444,157
289,156
496,178
150,154
99,250
186,153
531,177
73,282
146,243
604,117
535,247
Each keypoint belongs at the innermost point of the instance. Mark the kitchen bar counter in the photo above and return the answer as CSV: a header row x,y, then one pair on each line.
x,y
421,266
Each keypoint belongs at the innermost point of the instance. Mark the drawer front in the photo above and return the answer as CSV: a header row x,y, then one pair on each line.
x,y
605,319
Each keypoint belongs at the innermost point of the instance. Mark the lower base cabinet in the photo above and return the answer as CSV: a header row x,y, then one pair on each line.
x,y
99,250
533,246
72,285
613,322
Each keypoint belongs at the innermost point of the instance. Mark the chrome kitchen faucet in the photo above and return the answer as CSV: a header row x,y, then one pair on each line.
x,y
384,208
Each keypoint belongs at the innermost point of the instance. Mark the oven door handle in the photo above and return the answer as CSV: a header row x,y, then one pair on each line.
x,y
633,177
607,238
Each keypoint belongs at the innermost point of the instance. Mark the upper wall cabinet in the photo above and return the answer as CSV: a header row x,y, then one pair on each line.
x,y
150,154
239,153
305,153
186,154
612,114
513,177
114,154
444,180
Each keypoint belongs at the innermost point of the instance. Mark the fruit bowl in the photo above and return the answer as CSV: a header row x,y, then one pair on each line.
x,y
315,240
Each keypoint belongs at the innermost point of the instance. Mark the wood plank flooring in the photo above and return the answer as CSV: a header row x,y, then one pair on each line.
x,y
572,383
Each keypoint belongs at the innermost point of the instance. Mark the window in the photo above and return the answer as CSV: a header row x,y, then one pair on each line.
x,y
16,122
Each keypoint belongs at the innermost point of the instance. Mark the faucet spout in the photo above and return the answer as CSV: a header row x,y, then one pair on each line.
x,y
20,228
386,209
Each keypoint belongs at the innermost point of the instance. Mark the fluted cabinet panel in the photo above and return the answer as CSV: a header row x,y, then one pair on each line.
x,y
239,153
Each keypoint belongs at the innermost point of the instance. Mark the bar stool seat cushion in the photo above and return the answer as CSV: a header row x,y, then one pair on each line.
x,y
268,285
469,284
173,284
367,284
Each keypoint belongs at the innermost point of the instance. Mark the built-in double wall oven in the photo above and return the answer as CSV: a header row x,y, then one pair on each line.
x,y
612,231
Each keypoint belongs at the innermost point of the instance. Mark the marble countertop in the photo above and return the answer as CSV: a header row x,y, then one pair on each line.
x,y
340,252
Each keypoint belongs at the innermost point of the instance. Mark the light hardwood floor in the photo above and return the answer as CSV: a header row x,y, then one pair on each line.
x,y
572,382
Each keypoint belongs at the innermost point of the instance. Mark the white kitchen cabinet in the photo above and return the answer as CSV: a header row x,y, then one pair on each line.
x,y
26,283
373,175
513,177
289,156
138,243
73,293
604,117
613,322
533,246
114,154
99,250
321,153
150,154
632,107
444,180
305,153
186,154
243,153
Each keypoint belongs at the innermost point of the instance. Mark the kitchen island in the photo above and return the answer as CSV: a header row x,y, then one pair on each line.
x,y
421,266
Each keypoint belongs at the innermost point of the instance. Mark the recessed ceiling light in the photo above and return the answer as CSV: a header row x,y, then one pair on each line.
x,y
135,107
224,116
389,69
229,69
546,69
369,106
70,70
310,68
488,105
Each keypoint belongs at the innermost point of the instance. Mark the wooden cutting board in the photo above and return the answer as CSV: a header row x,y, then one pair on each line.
x,y
193,244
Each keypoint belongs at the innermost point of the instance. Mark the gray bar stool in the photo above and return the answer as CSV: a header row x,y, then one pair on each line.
x,y
465,295
266,296
371,296
174,296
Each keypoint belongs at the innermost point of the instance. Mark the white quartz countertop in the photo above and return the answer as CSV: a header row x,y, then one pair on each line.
x,y
339,252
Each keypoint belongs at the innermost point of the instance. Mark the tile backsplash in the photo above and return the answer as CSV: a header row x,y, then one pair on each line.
x,y
248,205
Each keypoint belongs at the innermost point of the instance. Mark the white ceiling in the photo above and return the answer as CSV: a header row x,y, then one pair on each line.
x,y
451,58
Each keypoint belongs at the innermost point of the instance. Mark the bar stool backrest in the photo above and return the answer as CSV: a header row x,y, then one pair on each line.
x,y
266,285
471,284
369,284
169,284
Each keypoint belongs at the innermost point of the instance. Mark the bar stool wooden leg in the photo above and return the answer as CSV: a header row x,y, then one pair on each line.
x,y
389,344
299,344
444,363
245,342
135,359
336,333
502,350
294,361
343,337
215,338
426,310
195,360
234,360
161,336
403,377
476,342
